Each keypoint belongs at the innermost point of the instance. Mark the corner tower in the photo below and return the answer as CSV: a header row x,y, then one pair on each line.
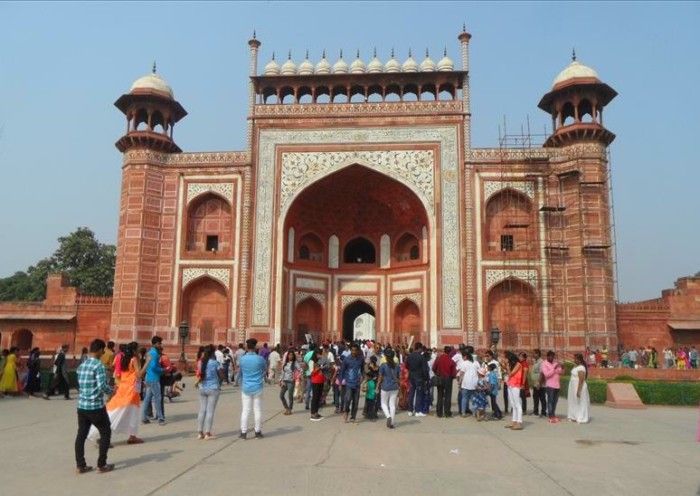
x,y
151,113
146,238
577,213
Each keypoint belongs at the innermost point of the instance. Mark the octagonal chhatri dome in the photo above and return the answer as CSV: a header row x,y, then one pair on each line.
x,y
152,82
575,70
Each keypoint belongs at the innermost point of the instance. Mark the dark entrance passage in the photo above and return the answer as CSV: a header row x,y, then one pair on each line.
x,y
350,313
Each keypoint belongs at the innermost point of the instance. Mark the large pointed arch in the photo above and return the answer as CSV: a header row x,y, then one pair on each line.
x,y
205,306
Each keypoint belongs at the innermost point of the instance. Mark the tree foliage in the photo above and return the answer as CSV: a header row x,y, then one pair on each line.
x,y
88,264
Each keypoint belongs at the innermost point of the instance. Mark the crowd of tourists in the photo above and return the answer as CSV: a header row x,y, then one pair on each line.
x,y
681,358
333,378
121,389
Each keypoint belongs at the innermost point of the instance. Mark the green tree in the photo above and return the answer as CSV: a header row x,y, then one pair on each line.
x,y
88,263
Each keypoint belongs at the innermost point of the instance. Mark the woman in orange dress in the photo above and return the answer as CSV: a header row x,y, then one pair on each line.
x,y
124,408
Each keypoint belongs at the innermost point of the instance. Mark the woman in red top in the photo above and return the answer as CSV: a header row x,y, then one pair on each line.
x,y
515,382
317,381
525,386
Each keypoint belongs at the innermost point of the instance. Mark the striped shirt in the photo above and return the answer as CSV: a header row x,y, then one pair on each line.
x,y
92,382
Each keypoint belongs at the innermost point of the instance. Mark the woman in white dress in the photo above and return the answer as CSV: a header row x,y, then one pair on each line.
x,y
578,398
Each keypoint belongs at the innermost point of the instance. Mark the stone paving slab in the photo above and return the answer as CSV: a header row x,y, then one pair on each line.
x,y
620,452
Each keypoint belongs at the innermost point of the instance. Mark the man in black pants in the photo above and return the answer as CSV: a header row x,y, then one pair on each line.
x,y
446,370
351,372
60,375
93,385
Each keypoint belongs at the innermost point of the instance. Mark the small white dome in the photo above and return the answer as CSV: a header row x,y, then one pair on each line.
x,y
340,67
289,68
445,64
272,68
392,65
410,65
573,71
375,65
357,66
427,65
306,67
323,66
153,82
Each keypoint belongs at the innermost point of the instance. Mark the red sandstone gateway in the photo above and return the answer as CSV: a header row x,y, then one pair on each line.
x,y
360,208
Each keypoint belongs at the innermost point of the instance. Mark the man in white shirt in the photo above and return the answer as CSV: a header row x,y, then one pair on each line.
x,y
273,361
458,359
468,375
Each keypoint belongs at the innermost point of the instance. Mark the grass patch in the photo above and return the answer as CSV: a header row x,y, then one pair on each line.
x,y
650,392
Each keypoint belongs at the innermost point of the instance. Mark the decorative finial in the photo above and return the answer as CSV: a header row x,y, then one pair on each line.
x,y
323,56
444,52
409,53
464,27
573,54
427,53
341,53
307,54
392,52
358,53
289,55
154,67
273,55
254,34
375,52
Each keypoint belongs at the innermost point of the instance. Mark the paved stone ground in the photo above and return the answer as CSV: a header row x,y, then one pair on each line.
x,y
620,452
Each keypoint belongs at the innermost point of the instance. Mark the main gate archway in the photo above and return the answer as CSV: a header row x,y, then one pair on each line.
x,y
358,215
351,313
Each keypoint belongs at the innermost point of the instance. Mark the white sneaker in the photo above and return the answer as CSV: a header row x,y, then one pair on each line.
x,y
411,414
420,414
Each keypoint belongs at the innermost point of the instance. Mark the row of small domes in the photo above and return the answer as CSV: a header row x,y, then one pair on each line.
x,y
289,68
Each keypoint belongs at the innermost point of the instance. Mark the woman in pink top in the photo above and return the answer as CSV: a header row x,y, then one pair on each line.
x,y
551,370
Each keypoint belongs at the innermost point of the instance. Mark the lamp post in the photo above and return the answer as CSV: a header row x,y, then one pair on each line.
x,y
184,332
495,337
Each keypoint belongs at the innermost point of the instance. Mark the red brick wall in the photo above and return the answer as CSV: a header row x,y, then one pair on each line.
x,y
646,374
145,253
646,323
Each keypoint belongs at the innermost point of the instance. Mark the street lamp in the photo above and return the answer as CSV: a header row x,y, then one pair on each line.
x,y
184,332
495,336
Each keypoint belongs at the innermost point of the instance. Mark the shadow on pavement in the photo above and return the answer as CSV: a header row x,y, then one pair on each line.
x,y
153,457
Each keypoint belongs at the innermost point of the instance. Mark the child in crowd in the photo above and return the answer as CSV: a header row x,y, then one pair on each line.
x,y
371,396
494,387
175,389
335,384
479,401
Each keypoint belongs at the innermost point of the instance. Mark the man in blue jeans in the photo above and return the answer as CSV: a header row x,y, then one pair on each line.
x,y
351,372
152,382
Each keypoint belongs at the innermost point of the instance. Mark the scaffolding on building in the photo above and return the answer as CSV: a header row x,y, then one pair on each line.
x,y
520,236
576,259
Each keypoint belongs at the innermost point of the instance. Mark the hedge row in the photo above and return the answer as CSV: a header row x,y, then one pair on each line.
x,y
650,392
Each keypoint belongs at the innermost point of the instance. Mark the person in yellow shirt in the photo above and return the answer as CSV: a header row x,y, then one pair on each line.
x,y
108,360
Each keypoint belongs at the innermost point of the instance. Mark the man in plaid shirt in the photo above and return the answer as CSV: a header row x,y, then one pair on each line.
x,y
92,381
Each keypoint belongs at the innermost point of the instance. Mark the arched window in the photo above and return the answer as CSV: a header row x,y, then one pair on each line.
x,y
359,250
209,225
510,223
407,248
567,114
585,109
311,248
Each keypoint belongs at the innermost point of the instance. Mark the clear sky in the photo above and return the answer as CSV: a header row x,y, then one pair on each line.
x,y
62,65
